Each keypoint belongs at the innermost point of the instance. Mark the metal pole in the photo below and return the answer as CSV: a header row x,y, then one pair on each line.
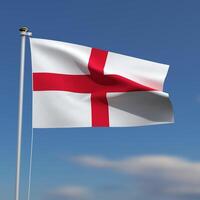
x,y
23,32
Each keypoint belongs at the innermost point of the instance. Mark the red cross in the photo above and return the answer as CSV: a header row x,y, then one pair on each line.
x,y
96,83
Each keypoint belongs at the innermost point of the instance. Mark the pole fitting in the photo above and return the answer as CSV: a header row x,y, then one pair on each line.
x,y
24,31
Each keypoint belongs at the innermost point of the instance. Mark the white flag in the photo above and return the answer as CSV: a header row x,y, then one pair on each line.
x,y
78,86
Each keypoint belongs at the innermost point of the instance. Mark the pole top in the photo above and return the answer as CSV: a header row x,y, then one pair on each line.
x,y
25,31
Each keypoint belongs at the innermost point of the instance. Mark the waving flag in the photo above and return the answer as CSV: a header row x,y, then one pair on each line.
x,y
78,86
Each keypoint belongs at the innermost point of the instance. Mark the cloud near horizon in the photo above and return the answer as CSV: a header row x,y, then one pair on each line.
x,y
157,176
70,192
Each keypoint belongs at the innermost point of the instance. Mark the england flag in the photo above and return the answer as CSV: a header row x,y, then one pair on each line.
x,y
79,86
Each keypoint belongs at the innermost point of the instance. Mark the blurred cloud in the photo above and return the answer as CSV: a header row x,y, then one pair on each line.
x,y
70,192
158,177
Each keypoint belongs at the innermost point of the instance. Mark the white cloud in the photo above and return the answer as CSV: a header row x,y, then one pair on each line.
x,y
93,161
163,175
71,192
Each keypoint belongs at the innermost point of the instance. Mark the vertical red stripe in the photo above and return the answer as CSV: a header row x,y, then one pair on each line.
x,y
96,63
99,103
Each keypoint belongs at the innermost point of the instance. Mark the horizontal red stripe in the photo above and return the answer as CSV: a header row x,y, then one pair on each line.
x,y
84,83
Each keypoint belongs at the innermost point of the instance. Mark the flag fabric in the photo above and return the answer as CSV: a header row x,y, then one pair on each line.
x,y
79,86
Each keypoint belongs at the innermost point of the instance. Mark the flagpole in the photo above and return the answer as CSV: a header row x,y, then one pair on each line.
x,y
23,32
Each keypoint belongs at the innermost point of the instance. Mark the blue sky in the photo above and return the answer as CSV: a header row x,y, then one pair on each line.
x,y
89,163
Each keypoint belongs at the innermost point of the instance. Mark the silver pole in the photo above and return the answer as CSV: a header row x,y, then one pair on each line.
x,y
23,32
